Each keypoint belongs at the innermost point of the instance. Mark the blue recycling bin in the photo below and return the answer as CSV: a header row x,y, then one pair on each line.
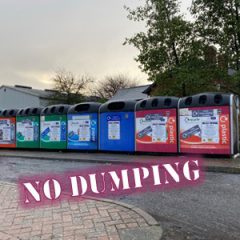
x,y
117,126
83,126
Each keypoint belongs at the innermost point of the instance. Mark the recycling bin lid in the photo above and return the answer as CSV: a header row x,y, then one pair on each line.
x,y
60,109
87,107
29,112
157,103
206,99
118,106
8,112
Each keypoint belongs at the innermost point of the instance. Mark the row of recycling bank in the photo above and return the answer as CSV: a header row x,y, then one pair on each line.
x,y
206,123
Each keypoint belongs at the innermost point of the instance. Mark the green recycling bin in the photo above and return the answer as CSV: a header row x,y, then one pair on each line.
x,y
28,128
53,127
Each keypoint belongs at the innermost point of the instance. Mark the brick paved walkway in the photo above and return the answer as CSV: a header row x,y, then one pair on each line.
x,y
89,219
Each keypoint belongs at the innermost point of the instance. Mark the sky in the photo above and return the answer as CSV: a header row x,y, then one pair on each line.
x,y
39,37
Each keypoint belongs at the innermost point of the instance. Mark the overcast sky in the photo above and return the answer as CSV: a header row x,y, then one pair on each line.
x,y
38,37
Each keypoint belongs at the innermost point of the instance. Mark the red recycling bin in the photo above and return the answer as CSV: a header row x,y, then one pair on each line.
x,y
8,128
156,125
208,124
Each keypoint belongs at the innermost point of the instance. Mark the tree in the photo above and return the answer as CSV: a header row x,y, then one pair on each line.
x,y
168,45
183,57
233,85
167,40
191,78
107,88
218,23
69,88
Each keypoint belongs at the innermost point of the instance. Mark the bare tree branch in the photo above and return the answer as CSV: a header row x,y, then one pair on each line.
x,y
107,88
69,87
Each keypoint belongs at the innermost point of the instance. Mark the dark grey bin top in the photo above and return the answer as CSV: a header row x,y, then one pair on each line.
x,y
55,110
29,112
88,107
206,99
8,112
118,106
157,103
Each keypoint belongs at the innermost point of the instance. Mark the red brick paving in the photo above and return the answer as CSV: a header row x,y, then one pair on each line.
x,y
84,220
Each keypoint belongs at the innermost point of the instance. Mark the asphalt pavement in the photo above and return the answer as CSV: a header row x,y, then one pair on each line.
x,y
210,211
210,164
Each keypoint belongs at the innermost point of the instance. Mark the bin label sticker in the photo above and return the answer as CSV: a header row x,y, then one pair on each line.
x,y
210,127
159,130
79,128
114,127
51,131
26,131
156,128
7,131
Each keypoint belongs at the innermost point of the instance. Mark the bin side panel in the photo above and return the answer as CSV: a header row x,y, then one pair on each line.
x,y
83,131
27,132
117,131
53,132
7,132
205,130
156,131
235,129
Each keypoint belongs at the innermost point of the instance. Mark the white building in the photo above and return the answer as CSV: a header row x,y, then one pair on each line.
x,y
23,96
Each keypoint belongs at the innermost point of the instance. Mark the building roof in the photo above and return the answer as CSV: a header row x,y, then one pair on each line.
x,y
46,94
133,93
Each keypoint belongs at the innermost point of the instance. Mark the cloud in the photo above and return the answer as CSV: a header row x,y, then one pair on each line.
x,y
39,37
